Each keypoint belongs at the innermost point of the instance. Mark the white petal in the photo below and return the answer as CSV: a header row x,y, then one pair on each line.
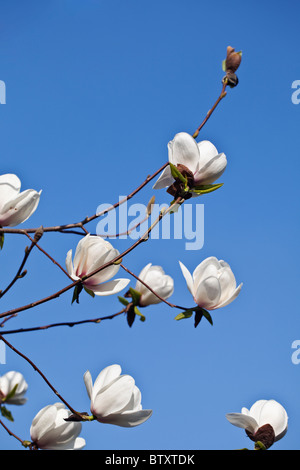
x,y
106,377
139,286
69,264
113,398
129,419
165,180
232,297
207,293
188,277
18,210
184,149
110,287
207,268
88,383
243,421
274,414
10,186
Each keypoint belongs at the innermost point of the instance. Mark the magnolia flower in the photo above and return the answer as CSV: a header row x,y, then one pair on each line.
x,y
92,252
160,282
8,382
115,399
212,284
201,159
266,421
50,431
15,207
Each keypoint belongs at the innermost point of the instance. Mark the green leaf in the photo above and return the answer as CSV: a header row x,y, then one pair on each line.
x,y
137,312
176,174
135,295
186,314
206,188
90,292
6,413
224,65
76,292
207,315
10,394
123,301
1,240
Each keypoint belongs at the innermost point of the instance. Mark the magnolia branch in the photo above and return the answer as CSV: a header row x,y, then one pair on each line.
x,y
40,373
116,260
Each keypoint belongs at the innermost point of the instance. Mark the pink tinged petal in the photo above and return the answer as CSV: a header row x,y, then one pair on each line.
x,y
10,186
106,377
110,287
165,180
232,297
113,398
129,419
274,414
207,293
184,149
18,210
243,421
188,278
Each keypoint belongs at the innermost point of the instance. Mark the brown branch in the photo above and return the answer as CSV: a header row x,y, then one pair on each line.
x,y
70,324
116,260
63,228
222,95
40,373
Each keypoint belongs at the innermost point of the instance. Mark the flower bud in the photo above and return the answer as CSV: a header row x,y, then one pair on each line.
x,y
233,60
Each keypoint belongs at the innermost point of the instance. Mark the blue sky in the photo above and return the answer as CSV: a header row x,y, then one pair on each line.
x,y
94,92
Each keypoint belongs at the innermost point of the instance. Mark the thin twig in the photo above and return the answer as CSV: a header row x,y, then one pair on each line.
x,y
40,373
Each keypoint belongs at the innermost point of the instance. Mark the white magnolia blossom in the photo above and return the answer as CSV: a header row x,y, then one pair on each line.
x,y
50,431
261,413
92,252
15,207
8,382
202,159
212,284
154,277
115,399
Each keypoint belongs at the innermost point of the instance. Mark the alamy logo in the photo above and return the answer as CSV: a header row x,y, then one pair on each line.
x,y
2,92
132,222
296,94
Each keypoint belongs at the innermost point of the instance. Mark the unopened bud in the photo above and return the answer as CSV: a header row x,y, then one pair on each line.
x,y
38,234
150,205
233,60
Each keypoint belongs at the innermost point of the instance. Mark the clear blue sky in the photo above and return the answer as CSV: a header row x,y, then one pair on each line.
x,y
95,89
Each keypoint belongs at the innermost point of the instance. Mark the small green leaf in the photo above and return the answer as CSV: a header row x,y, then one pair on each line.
x,y
135,295
137,312
206,188
207,315
259,446
6,413
77,290
1,240
224,65
186,314
90,292
123,301
10,394
176,174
